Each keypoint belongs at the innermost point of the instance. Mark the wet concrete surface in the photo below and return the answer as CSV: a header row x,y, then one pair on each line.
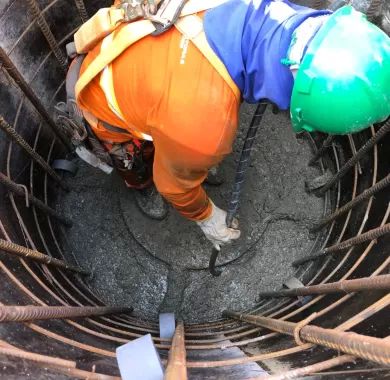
x,y
161,266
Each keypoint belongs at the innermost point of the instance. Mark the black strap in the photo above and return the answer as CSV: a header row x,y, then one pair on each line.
x,y
113,128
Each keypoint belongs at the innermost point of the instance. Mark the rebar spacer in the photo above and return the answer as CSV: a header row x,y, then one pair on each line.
x,y
300,325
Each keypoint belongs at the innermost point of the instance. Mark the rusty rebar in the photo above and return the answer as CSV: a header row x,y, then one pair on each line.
x,y
244,162
366,194
367,236
356,157
374,10
14,136
362,346
14,73
44,26
82,10
34,313
27,253
319,4
320,152
177,368
345,286
21,191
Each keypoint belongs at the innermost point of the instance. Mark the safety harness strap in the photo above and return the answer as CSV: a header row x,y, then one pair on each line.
x,y
127,36
191,26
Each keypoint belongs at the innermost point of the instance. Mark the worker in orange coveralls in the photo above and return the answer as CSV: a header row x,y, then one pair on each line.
x,y
180,116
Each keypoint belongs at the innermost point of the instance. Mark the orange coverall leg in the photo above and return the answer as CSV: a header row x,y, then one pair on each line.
x,y
167,89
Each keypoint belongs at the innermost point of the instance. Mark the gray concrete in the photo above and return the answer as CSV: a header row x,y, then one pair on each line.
x,y
162,266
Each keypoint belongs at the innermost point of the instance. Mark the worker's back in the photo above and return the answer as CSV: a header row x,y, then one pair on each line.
x,y
166,88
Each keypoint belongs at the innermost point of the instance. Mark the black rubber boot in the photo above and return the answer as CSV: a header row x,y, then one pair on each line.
x,y
151,203
215,177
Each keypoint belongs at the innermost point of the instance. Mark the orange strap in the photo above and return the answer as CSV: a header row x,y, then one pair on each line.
x,y
127,36
190,26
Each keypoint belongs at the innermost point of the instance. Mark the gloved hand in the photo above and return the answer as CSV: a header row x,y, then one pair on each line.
x,y
216,230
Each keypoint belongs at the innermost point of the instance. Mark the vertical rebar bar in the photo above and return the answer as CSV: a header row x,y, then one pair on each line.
x,y
365,195
27,253
14,73
34,313
374,9
14,136
367,236
244,162
356,158
44,26
362,346
82,10
319,4
381,282
177,368
18,190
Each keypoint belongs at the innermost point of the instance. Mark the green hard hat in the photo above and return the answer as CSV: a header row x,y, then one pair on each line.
x,y
343,82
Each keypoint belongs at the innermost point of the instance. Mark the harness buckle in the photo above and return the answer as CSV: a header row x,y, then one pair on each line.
x,y
136,9
167,14
162,13
133,10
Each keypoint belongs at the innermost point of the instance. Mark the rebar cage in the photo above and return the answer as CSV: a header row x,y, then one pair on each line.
x,y
341,328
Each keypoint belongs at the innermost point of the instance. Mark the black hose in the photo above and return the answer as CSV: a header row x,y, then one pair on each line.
x,y
239,179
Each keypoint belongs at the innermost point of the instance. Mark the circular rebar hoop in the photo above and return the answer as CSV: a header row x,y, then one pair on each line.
x,y
44,285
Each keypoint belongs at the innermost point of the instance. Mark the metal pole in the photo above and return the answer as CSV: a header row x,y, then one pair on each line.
x,y
21,191
366,194
177,368
33,313
356,158
29,93
347,286
367,236
18,139
26,253
362,346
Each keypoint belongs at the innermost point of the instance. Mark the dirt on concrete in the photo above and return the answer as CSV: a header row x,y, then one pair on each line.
x,y
161,266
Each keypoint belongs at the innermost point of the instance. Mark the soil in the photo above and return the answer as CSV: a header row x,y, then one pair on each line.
x,y
161,266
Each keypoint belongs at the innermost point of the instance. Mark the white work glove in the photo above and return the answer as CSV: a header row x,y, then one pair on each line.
x,y
216,230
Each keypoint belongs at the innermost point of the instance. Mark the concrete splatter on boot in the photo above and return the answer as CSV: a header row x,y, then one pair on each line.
x,y
151,203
